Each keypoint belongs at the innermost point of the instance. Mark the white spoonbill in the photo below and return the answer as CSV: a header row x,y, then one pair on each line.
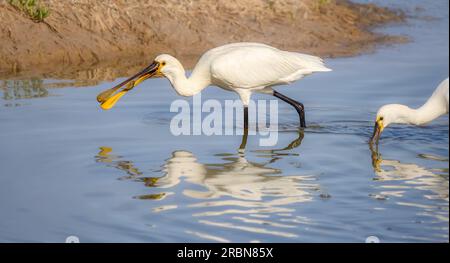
x,y
435,106
240,67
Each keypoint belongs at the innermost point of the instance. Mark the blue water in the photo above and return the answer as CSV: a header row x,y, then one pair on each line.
x,y
69,168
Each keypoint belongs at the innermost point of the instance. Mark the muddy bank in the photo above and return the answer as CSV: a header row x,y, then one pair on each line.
x,y
98,40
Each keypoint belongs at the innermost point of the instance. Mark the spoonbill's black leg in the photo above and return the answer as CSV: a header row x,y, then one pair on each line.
x,y
297,105
244,141
245,135
245,118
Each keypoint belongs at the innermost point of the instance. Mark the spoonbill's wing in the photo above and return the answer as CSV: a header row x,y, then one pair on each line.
x,y
260,66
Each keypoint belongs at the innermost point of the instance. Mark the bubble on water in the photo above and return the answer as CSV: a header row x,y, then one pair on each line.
x,y
72,239
372,239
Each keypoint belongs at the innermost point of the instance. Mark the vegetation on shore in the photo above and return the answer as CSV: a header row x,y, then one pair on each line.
x,y
32,8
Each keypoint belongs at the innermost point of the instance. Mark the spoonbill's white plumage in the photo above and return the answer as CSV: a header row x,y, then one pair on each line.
x,y
436,106
240,67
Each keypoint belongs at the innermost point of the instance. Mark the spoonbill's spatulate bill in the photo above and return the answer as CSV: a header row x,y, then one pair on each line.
x,y
435,106
240,67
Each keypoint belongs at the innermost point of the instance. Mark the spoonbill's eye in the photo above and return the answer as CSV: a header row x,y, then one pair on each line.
x,y
163,63
381,118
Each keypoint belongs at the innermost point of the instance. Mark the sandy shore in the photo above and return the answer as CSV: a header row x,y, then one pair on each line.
x,y
98,40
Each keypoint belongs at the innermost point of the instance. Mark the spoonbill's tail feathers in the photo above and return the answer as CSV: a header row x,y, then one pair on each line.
x,y
315,64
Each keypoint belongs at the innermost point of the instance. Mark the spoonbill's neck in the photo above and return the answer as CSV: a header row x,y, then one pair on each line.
x,y
425,114
188,86
429,111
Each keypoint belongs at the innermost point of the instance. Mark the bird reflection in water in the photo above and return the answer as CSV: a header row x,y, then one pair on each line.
x,y
396,178
247,191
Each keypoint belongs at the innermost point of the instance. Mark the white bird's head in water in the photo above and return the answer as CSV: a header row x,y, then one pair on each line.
x,y
387,115
434,107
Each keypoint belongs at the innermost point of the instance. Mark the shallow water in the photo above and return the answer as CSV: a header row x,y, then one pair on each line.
x,y
68,168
